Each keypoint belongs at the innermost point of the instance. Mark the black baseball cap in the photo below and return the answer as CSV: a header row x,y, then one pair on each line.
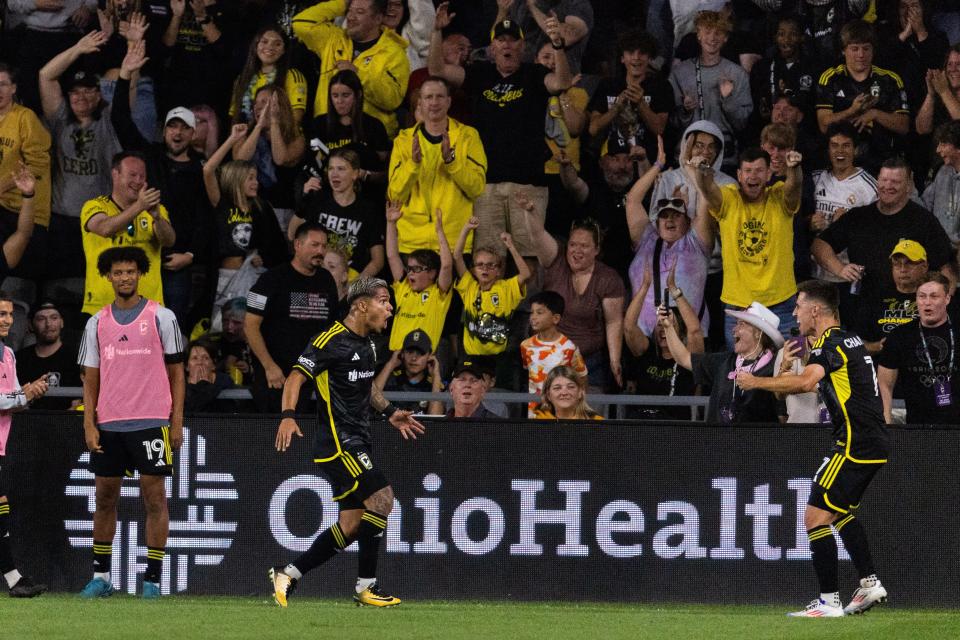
x,y
506,28
79,78
477,365
418,340
44,305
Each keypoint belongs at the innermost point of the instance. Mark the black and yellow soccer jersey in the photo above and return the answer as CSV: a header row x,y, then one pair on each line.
x,y
851,395
341,364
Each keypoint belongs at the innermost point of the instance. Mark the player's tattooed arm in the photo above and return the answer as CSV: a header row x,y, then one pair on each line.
x,y
377,401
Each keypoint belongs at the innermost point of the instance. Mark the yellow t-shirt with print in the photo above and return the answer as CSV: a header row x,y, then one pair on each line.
x,y
139,233
756,239
486,314
425,310
295,85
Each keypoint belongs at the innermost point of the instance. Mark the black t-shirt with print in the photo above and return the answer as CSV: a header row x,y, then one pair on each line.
x,y
629,126
240,232
294,307
509,114
62,370
658,376
879,316
916,382
361,224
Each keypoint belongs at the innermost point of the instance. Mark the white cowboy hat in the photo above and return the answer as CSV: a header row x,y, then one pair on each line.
x,y
762,318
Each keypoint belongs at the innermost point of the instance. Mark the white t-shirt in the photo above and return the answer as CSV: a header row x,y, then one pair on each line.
x,y
856,190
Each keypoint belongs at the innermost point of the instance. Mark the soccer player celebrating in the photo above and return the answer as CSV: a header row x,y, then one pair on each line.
x,y
133,390
843,368
341,362
12,398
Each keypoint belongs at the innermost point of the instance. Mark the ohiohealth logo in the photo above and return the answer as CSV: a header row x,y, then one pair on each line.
x,y
209,502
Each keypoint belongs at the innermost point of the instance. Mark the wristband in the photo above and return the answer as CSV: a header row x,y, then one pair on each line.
x,y
676,293
26,195
389,410
559,47
659,165
288,413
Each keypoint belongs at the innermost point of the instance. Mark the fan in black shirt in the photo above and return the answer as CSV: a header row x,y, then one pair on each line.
x,y
340,362
840,365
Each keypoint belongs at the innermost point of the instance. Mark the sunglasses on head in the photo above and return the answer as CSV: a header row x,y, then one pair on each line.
x,y
672,203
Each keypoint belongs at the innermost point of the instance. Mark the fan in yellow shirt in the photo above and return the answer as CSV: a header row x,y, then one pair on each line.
x,y
421,288
130,216
488,300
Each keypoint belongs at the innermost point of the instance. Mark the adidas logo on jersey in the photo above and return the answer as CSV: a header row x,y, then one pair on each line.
x,y
124,338
356,356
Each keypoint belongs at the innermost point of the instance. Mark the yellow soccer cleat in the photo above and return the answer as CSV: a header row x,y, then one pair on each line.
x,y
373,597
283,585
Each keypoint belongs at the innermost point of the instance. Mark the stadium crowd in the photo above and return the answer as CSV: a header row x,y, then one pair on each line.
x,y
543,181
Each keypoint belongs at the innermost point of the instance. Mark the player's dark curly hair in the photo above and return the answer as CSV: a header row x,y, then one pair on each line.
x,y
113,255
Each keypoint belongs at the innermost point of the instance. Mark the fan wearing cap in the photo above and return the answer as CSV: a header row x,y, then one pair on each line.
x,y
879,315
50,356
509,102
756,336
468,387
413,368
755,222
667,239
177,171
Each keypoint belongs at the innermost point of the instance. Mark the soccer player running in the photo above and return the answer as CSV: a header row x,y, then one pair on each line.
x,y
341,362
843,368
133,389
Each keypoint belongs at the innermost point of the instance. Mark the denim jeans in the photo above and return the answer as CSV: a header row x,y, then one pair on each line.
x,y
783,310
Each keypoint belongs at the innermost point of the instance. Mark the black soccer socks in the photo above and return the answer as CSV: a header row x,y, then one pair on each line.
x,y
327,545
6,558
155,557
102,556
855,540
823,547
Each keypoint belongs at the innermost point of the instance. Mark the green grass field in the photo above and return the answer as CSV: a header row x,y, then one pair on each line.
x,y
212,618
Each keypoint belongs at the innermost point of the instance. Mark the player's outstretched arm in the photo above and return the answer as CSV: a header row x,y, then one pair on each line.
x,y
803,383
402,421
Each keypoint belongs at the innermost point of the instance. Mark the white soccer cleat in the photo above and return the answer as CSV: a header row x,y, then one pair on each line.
x,y
865,597
818,609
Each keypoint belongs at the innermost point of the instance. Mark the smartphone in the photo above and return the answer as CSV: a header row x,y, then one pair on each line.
x,y
799,341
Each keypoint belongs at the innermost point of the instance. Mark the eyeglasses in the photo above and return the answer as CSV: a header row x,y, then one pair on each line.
x,y
486,265
672,203
84,91
416,268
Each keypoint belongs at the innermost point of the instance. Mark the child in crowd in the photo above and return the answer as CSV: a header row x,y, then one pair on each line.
x,y
422,287
413,368
488,300
547,347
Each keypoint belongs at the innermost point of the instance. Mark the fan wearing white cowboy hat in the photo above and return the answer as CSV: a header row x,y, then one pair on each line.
x,y
755,336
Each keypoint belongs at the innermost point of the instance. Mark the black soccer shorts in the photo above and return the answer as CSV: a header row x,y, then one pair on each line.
x,y
354,477
839,483
147,451
3,484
